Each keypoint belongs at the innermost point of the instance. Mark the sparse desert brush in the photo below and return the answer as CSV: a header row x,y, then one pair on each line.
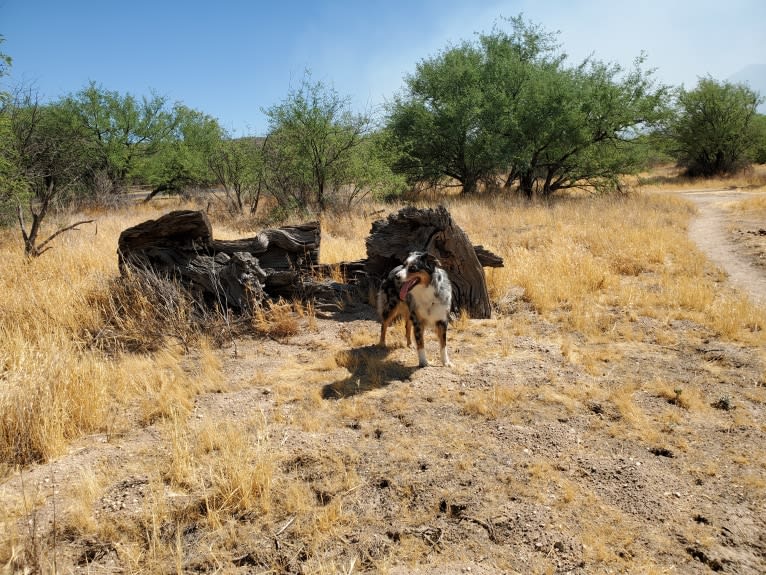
x,y
278,320
573,258
634,420
493,402
298,478
144,312
735,317
87,486
240,476
228,464
51,393
364,337
687,397
165,388
569,258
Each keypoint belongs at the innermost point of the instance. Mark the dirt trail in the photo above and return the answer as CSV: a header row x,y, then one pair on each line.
x,y
709,231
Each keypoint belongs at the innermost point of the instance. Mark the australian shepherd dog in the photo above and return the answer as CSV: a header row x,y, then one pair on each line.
x,y
420,291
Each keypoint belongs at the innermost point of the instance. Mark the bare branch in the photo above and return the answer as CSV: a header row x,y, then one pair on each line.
x,y
21,224
41,248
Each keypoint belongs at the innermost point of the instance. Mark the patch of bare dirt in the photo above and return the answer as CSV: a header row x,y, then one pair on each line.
x,y
496,466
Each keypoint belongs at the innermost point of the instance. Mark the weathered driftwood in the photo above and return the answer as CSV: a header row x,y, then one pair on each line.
x,y
434,231
231,273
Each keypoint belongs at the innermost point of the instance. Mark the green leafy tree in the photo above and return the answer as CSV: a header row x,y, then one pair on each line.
x,y
715,129
123,129
183,159
759,149
51,151
312,135
236,166
12,184
370,174
438,120
509,103
581,126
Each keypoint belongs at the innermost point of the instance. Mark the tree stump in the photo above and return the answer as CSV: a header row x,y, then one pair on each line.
x,y
433,230
230,273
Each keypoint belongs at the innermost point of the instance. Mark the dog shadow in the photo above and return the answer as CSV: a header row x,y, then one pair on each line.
x,y
368,370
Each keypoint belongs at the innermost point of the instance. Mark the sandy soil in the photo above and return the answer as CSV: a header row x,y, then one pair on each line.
x,y
524,458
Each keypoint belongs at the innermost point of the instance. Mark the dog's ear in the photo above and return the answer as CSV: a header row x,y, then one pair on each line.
x,y
433,261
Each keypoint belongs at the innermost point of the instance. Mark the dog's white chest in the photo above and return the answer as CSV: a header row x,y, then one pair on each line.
x,y
428,307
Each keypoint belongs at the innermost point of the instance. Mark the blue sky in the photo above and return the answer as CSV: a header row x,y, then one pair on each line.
x,y
231,59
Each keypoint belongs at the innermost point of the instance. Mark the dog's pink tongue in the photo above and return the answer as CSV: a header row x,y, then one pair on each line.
x,y
406,287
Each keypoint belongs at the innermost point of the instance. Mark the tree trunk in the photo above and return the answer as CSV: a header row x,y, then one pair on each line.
x,y
509,180
158,190
469,185
30,238
526,184
434,231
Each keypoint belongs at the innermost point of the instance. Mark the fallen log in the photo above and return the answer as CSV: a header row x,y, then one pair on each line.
x,y
230,273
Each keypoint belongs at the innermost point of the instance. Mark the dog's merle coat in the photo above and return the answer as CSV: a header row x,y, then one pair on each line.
x,y
427,291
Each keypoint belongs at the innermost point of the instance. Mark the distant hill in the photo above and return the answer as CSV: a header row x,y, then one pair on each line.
x,y
755,77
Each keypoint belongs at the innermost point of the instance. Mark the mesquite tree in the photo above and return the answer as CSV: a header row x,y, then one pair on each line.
x,y
122,129
715,131
313,134
52,153
510,103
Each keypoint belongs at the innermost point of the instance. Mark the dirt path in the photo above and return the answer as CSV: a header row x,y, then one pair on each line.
x,y
709,231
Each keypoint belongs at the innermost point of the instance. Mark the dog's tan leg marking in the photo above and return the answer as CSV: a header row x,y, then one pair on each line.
x,y
408,330
441,331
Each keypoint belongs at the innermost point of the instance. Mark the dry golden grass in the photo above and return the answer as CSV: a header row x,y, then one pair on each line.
x,y
278,320
755,206
576,261
343,235
671,178
79,354
56,383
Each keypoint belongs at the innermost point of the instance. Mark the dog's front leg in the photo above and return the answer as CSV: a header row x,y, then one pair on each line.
x,y
441,331
419,340
408,330
383,329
